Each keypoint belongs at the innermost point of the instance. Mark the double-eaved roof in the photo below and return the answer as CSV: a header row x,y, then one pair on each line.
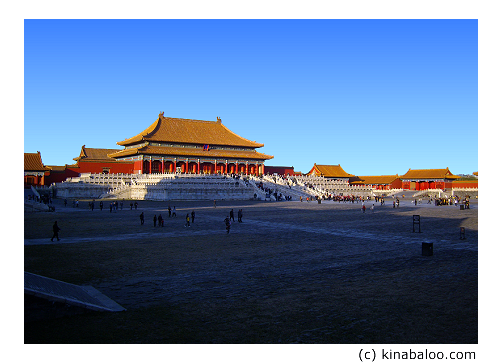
x,y
186,137
329,171
188,131
428,174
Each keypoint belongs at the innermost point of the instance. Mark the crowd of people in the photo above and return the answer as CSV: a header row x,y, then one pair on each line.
x,y
158,221
450,201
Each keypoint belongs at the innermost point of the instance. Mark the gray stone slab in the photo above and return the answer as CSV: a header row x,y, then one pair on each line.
x,y
83,296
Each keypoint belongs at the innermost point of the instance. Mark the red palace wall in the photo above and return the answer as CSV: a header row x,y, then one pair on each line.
x,y
137,166
465,184
97,167
280,170
58,177
418,186
88,167
397,184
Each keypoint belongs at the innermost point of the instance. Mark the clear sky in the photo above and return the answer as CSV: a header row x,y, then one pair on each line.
x,y
375,96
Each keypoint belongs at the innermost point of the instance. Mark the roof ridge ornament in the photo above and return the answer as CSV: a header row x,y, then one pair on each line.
x,y
160,115
219,120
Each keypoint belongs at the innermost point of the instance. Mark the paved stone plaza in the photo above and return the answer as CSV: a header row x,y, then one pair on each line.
x,y
291,272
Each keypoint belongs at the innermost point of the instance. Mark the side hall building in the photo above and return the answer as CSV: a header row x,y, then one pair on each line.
x,y
90,160
423,179
35,173
332,172
387,182
190,146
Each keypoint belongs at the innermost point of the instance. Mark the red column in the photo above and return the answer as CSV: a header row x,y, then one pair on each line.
x,y
246,168
226,167
162,166
198,166
175,165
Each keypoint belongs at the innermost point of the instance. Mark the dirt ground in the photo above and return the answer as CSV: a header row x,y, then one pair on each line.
x,y
291,272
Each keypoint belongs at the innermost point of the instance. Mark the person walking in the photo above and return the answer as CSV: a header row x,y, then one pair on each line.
x,y
141,217
169,211
160,221
174,214
231,215
154,221
228,223
192,216
187,221
55,230
240,215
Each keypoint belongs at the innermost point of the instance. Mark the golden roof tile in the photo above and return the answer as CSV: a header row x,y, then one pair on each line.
x,y
378,180
95,154
429,174
33,162
57,168
188,131
329,171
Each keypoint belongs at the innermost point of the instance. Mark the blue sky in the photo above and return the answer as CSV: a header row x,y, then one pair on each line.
x,y
375,96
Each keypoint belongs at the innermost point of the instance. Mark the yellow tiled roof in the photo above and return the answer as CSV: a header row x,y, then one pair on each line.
x,y
57,168
33,162
378,180
166,129
428,174
95,154
329,171
192,152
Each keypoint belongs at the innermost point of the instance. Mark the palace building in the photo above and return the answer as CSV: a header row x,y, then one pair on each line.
x,y
90,160
378,182
333,172
422,179
34,170
190,146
